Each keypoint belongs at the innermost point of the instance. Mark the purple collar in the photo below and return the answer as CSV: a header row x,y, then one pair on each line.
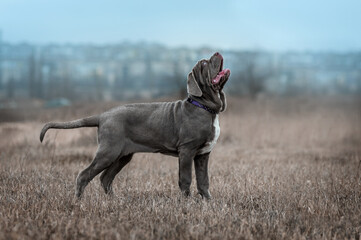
x,y
194,102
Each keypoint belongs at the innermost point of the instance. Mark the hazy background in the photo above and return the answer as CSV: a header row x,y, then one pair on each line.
x,y
271,25
67,51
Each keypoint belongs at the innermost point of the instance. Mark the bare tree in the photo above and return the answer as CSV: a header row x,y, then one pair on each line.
x,y
252,79
10,88
67,88
32,76
98,84
178,80
39,91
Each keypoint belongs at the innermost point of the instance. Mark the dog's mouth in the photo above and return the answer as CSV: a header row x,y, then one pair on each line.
x,y
222,75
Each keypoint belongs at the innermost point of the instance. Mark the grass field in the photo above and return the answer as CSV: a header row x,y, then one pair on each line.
x,y
282,169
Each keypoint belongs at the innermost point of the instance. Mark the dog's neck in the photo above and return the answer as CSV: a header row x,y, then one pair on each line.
x,y
194,102
213,106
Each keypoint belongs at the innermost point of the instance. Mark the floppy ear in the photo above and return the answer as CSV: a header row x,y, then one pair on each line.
x,y
192,86
222,96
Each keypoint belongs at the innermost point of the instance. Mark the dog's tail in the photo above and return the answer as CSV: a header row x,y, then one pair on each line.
x,y
92,121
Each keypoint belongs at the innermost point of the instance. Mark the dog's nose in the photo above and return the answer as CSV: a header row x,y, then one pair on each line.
x,y
217,54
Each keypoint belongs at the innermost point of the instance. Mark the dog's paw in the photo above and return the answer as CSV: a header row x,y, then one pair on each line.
x,y
205,195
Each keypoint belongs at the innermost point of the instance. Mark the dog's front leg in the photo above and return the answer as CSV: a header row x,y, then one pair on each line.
x,y
185,171
201,166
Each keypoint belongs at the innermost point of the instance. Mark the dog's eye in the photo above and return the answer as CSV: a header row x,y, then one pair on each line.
x,y
204,64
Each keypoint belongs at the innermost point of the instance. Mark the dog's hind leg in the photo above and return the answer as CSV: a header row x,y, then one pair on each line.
x,y
103,159
107,177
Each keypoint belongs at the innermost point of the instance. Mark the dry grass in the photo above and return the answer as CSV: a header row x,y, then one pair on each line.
x,y
286,168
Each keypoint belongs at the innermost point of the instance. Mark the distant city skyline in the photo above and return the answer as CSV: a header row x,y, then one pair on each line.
x,y
241,25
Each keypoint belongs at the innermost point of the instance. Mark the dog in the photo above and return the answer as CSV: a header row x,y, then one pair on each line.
x,y
187,129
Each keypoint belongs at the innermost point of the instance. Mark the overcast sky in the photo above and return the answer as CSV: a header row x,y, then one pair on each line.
x,y
270,25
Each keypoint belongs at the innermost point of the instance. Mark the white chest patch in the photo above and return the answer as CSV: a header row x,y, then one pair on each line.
x,y
210,145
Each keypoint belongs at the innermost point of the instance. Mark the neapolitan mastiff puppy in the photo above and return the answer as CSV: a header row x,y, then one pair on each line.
x,y
186,128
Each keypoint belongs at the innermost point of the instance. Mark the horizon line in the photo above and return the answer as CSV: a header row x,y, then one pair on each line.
x,y
177,46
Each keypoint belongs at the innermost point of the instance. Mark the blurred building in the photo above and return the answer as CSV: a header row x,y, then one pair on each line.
x,y
143,70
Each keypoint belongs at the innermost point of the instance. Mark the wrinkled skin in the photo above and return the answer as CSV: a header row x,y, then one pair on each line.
x,y
174,128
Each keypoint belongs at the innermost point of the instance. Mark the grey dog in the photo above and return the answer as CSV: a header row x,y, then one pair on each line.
x,y
187,129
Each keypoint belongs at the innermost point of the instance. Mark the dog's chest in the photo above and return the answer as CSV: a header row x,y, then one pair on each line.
x,y
210,144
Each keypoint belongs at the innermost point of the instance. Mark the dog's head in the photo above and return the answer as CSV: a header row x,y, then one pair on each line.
x,y
207,79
